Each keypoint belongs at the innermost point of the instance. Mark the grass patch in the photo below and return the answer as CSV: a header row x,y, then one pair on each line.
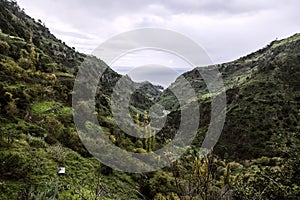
x,y
12,87
40,107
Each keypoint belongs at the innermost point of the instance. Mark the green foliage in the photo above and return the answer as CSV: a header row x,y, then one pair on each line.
x,y
50,190
54,127
162,182
70,139
40,107
159,196
25,63
257,156
58,153
36,142
267,183
4,48
9,133
16,165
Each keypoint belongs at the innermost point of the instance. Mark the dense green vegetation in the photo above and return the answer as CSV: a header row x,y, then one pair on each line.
x,y
261,132
257,156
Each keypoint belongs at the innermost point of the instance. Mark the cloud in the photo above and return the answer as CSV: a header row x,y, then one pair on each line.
x,y
156,74
137,59
226,29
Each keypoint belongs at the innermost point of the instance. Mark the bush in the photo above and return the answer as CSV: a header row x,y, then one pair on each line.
x,y
32,129
54,127
71,139
159,196
14,165
25,63
173,196
4,47
264,161
58,153
140,150
162,182
36,142
10,133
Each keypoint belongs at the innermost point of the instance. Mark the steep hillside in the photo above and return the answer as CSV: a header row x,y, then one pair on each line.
x,y
260,141
37,134
263,91
52,53
263,100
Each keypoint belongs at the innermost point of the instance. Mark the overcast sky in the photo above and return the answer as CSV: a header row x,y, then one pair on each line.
x,y
226,29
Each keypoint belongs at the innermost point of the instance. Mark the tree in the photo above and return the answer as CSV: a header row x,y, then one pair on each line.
x,y
150,141
196,177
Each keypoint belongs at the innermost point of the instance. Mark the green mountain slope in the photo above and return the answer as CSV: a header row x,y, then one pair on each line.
x,y
263,103
37,133
263,91
260,141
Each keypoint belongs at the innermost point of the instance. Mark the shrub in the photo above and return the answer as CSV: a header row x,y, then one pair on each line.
x,y
140,150
14,165
54,127
71,140
4,47
162,182
10,133
11,108
263,161
58,152
36,142
159,196
25,63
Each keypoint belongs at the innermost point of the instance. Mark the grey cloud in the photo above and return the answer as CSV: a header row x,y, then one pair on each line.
x,y
226,28
223,6
73,34
154,73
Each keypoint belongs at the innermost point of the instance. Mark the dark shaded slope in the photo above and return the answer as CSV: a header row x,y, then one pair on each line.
x,y
263,93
